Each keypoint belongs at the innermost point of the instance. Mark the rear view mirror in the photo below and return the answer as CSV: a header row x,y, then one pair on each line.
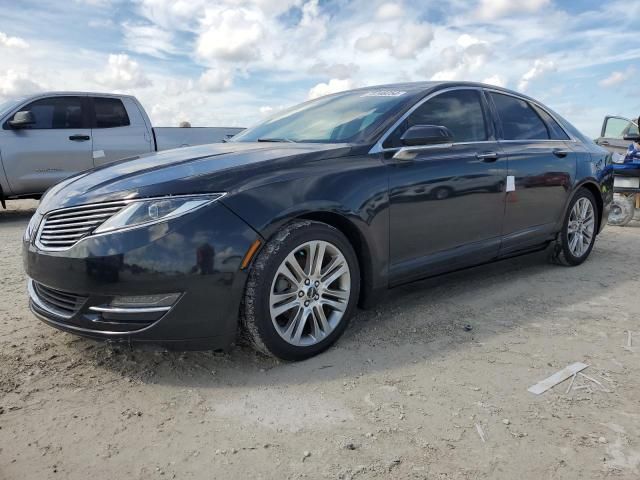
x,y
633,137
419,135
22,119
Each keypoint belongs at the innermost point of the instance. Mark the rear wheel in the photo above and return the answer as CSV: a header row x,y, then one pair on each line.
x,y
578,235
622,209
301,291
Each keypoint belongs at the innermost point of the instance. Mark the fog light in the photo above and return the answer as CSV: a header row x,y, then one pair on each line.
x,y
144,301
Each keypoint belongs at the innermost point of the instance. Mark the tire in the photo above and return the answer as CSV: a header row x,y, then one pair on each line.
x,y
566,250
296,313
622,210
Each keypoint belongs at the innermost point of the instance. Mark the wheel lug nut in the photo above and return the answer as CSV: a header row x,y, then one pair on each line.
x,y
317,283
301,293
306,304
317,297
307,282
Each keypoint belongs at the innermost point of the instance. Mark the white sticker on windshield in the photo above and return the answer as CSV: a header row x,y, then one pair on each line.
x,y
383,93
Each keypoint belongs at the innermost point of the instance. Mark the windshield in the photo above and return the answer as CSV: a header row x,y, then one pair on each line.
x,y
343,117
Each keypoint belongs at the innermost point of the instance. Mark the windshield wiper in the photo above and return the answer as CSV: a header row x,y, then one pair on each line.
x,y
276,140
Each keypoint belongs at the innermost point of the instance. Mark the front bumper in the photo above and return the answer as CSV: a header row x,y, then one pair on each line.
x,y
197,256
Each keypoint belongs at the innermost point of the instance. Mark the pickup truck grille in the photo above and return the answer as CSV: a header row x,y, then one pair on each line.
x,y
63,228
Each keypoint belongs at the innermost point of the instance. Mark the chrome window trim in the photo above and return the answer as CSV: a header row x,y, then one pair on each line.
x,y
378,148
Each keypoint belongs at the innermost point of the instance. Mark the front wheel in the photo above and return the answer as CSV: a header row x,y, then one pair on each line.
x,y
578,235
301,291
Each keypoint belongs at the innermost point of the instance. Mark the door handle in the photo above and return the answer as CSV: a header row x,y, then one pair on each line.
x,y
558,152
487,156
603,142
79,138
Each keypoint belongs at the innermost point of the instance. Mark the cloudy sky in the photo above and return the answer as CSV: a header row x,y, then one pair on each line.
x,y
232,62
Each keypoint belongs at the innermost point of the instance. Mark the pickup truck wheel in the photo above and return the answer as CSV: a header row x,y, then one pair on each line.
x,y
301,291
578,235
622,210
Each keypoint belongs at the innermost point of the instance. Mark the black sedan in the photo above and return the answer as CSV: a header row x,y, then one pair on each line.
x,y
279,233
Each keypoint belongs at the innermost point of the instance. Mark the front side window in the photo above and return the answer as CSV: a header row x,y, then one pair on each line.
x,y
519,121
57,113
459,110
109,113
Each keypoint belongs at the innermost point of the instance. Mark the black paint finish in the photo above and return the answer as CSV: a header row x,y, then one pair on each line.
x,y
439,209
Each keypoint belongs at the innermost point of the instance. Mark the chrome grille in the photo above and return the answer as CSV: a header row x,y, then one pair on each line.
x,y
61,303
63,228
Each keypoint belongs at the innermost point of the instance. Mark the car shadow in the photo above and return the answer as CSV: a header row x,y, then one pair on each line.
x,y
414,323
16,215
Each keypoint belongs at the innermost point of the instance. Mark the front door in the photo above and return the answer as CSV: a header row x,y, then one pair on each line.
x,y
447,201
542,163
57,146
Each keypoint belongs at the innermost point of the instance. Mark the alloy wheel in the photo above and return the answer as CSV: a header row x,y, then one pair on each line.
x,y
581,227
310,293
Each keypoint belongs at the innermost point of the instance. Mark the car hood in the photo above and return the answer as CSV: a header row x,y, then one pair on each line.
x,y
223,167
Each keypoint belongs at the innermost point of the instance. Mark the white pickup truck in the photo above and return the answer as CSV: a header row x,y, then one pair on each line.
x,y
47,137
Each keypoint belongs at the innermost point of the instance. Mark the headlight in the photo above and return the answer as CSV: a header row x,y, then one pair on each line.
x,y
146,212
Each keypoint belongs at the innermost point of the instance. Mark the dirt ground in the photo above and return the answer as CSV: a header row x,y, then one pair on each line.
x,y
406,393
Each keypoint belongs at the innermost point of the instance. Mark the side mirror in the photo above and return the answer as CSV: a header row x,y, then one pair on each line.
x,y
634,137
420,135
22,119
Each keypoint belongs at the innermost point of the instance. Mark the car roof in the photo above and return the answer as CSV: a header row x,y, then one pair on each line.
x,y
76,93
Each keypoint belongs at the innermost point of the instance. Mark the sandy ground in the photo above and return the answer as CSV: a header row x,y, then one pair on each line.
x,y
404,394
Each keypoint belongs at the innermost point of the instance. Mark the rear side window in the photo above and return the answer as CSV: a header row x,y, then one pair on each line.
x,y
519,121
57,113
109,113
555,130
460,111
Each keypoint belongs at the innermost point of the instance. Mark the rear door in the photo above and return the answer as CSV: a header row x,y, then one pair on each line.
x,y
541,168
57,146
119,130
613,131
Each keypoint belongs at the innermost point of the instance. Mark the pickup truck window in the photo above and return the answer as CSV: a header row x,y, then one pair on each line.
x,y
57,113
109,113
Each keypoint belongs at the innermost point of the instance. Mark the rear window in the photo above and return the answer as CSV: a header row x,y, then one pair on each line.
x,y
555,130
519,121
110,113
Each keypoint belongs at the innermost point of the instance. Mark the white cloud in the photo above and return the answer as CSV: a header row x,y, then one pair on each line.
x,y
335,70
12,42
13,84
149,39
414,38
462,60
540,67
617,77
333,86
216,80
374,41
411,40
496,80
491,9
389,11
230,34
122,73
